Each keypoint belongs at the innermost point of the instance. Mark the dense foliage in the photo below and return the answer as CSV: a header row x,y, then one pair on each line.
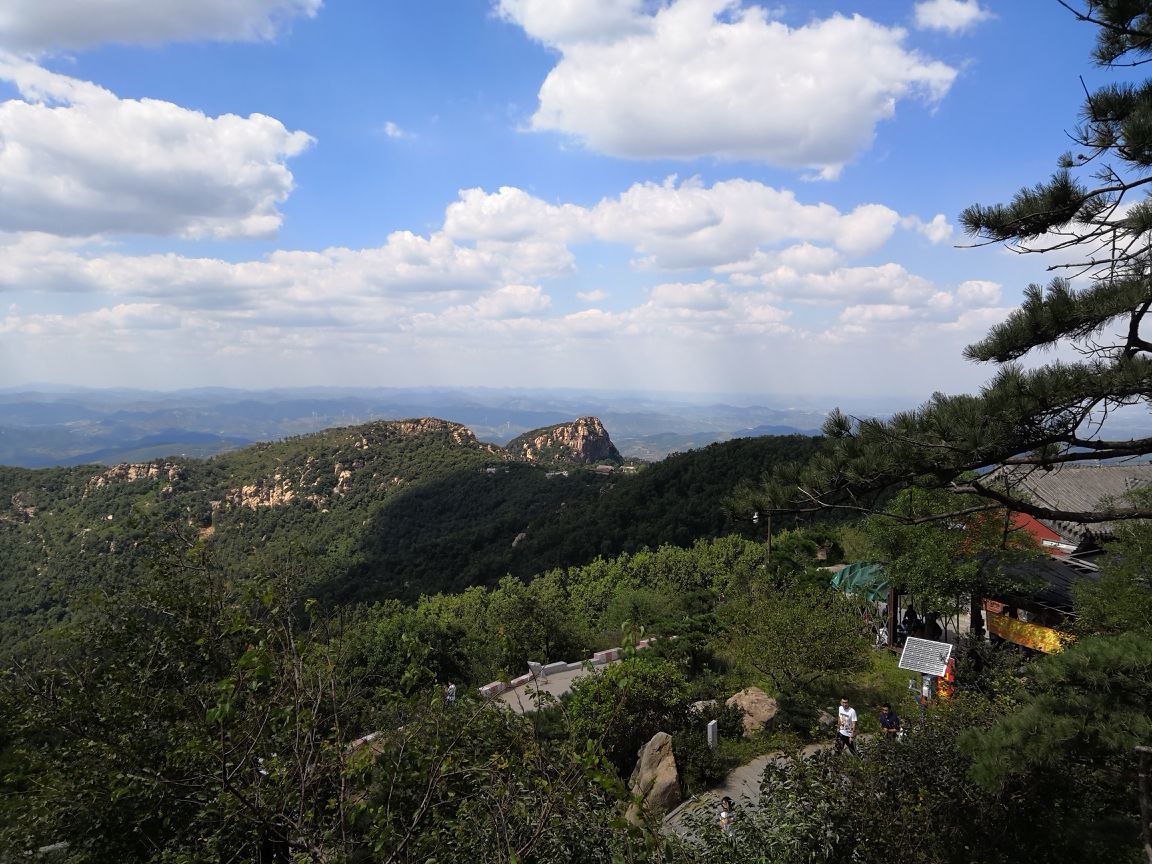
x,y
916,802
375,512
204,713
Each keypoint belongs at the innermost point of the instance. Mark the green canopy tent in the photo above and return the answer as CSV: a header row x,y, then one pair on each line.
x,y
863,580
869,583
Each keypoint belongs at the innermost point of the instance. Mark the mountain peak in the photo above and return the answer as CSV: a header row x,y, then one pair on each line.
x,y
583,441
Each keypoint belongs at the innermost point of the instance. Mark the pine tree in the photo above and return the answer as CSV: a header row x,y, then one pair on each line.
x,y
1096,212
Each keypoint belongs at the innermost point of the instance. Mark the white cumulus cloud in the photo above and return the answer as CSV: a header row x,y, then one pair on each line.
x,y
730,226
978,293
938,229
951,16
737,270
716,78
707,296
513,301
564,22
35,26
681,225
510,214
76,159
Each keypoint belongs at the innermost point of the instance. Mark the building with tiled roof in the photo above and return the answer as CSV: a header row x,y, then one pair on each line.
x,y
1078,488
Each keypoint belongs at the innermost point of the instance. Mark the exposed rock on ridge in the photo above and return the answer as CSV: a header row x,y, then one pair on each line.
x,y
582,442
130,472
319,482
134,472
371,460
459,434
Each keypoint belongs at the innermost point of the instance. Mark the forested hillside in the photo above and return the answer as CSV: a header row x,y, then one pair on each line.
x,y
204,715
385,510
212,692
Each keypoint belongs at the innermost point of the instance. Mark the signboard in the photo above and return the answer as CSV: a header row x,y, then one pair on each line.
x,y
925,656
1027,634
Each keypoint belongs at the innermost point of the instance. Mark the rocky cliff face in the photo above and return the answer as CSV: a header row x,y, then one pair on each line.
x,y
582,442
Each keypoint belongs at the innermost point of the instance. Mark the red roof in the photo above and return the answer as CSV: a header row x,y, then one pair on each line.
x,y
1039,532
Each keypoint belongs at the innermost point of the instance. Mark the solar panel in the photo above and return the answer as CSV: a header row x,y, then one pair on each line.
x,y
926,656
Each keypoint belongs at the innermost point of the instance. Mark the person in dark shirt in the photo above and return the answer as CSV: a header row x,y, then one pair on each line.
x,y
889,723
932,628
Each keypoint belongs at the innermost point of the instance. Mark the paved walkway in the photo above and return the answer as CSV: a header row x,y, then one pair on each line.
x,y
742,785
520,700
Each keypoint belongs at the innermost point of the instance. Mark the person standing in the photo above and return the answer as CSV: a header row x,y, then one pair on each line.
x,y
846,728
889,722
727,815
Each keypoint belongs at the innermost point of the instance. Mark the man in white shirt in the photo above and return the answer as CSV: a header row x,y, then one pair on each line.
x,y
846,729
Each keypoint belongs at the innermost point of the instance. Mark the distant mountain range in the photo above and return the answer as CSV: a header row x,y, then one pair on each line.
x,y
42,428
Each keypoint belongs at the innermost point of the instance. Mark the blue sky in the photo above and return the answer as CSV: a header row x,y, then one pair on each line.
x,y
612,194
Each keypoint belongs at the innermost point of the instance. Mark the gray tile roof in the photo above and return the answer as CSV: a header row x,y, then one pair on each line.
x,y
1052,581
1079,488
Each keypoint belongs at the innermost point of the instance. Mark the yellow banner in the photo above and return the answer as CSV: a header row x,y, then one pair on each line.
x,y
1029,635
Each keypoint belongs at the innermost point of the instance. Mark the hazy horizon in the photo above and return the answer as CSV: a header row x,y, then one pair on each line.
x,y
670,397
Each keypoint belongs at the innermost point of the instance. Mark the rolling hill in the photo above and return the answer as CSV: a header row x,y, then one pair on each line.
x,y
391,509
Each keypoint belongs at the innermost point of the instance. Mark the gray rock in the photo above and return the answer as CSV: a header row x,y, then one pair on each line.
x,y
655,781
758,708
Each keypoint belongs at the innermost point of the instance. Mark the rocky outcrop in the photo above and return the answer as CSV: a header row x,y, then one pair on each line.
x,y
317,481
130,472
582,442
369,436
758,708
20,513
276,491
655,781
431,426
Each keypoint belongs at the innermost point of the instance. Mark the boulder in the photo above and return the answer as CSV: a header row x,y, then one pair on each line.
x,y
655,781
758,708
702,706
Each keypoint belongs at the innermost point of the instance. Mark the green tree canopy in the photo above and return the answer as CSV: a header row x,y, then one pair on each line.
x,y
940,560
793,637
916,803
1095,212
625,705
1089,707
